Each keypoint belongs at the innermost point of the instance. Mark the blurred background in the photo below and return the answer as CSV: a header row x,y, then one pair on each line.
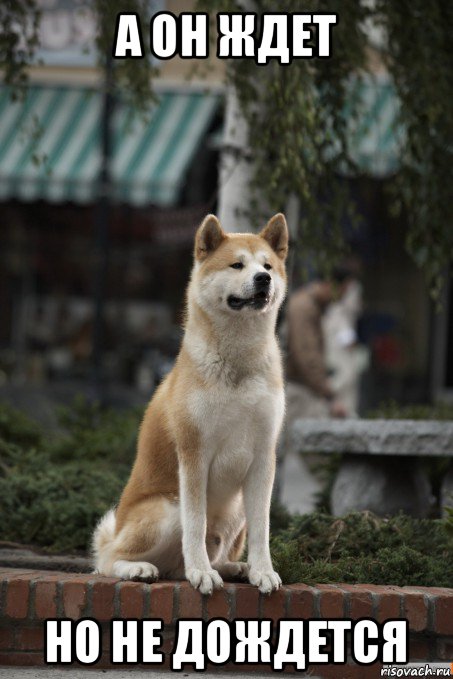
x,y
99,205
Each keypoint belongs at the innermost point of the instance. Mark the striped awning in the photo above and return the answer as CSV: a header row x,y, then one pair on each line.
x,y
375,136
50,145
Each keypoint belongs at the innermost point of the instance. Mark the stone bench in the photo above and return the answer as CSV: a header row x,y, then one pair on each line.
x,y
380,470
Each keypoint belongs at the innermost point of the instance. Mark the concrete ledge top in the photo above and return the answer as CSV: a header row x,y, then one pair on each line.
x,y
28,558
374,437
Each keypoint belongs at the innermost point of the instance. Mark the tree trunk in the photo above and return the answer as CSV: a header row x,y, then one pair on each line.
x,y
236,169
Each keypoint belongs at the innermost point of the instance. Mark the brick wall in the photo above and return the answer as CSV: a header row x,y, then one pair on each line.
x,y
28,597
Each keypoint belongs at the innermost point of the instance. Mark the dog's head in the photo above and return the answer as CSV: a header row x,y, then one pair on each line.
x,y
240,273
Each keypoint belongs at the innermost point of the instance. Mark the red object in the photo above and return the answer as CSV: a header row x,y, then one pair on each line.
x,y
388,351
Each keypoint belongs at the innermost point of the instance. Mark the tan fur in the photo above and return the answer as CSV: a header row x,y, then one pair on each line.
x,y
206,448
238,546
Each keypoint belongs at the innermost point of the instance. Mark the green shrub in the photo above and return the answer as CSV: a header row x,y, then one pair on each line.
x,y
361,547
54,506
54,489
90,432
391,410
16,427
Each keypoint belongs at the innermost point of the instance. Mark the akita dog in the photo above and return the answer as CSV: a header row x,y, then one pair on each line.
x,y
205,462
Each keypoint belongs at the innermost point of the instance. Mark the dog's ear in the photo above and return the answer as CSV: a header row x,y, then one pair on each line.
x,y
276,234
208,238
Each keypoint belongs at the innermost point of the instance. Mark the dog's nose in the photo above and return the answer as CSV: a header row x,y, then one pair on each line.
x,y
262,279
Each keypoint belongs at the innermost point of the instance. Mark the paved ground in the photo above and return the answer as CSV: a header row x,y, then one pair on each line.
x,y
77,673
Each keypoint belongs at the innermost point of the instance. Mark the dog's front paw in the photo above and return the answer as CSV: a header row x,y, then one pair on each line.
x,y
266,580
135,570
204,580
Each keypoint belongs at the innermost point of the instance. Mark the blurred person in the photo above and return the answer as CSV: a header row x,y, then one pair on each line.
x,y
309,391
346,359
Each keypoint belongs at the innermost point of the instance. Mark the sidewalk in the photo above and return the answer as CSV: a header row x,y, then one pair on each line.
x,y
88,673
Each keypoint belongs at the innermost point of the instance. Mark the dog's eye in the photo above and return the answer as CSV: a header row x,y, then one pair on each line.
x,y
268,267
237,265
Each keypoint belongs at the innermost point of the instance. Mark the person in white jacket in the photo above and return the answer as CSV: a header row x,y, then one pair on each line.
x,y
346,359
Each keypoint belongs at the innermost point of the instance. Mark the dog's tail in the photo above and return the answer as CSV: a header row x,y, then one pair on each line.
x,y
102,542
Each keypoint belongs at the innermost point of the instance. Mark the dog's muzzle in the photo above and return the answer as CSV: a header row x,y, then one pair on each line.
x,y
260,298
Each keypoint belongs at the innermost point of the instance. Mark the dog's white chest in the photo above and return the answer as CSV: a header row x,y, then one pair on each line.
x,y
225,413
235,424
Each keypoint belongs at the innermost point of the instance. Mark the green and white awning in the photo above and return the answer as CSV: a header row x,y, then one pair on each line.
x,y
374,134
50,142
50,145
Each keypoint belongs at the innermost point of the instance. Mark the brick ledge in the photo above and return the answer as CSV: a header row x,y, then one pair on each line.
x,y
27,597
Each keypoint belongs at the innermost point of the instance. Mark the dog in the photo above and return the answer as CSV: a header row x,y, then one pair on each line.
x,y
205,463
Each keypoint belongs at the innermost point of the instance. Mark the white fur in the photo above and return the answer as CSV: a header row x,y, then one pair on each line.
x,y
166,553
135,570
103,537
